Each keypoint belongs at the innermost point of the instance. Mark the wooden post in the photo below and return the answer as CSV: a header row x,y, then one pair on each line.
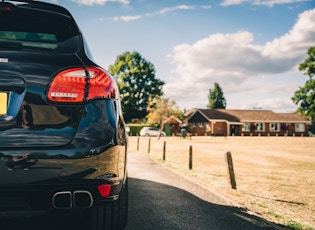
x,y
190,157
231,169
149,145
164,150
138,143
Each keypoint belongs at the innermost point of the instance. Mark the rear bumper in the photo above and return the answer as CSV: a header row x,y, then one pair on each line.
x,y
57,182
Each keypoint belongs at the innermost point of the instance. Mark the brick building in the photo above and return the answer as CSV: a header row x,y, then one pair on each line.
x,y
223,122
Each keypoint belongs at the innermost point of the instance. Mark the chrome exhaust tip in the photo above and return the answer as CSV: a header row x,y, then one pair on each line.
x,y
62,200
82,199
68,200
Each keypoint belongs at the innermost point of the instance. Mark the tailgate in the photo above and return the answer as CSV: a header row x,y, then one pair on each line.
x,y
26,118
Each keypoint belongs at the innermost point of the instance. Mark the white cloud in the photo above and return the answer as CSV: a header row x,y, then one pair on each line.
x,y
293,44
233,2
99,2
269,3
206,7
159,12
127,18
233,61
275,104
171,9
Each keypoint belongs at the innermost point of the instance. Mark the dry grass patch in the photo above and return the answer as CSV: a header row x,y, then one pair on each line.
x,y
274,175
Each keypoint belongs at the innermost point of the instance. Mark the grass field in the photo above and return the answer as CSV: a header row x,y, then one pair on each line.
x,y
275,176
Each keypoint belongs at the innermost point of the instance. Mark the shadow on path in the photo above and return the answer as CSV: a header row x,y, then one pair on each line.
x,y
154,205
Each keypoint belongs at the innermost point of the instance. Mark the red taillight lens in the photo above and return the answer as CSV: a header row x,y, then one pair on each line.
x,y
100,84
68,86
78,85
104,189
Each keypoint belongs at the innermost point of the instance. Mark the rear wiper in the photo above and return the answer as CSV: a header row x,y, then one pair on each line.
x,y
19,45
36,48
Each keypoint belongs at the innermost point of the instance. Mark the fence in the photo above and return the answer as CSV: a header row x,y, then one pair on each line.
x,y
177,154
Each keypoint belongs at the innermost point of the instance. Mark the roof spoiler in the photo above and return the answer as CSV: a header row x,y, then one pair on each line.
x,y
42,6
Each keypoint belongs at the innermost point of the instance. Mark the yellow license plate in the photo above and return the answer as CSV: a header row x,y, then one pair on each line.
x,y
3,103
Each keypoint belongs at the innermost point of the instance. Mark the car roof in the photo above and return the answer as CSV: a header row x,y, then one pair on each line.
x,y
55,19
39,6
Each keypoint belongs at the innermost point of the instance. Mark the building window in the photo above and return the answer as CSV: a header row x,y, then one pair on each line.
x,y
300,127
274,127
194,124
260,127
200,124
246,127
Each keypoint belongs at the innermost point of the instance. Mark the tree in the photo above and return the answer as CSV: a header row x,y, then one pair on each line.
x,y
304,97
216,98
164,108
137,84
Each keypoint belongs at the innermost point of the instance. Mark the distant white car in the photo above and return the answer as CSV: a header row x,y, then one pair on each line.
x,y
151,132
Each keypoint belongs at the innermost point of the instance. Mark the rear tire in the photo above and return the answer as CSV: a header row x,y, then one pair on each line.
x,y
110,215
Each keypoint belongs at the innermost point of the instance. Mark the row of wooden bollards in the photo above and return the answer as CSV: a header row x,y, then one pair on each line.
x,y
228,158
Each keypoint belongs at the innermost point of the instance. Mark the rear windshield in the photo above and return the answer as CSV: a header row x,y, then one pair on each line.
x,y
26,29
28,36
31,39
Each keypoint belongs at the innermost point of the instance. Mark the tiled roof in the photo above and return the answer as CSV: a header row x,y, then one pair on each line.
x,y
172,120
219,114
251,116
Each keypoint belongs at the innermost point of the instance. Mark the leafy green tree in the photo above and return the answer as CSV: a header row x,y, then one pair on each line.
x,y
216,98
304,97
137,83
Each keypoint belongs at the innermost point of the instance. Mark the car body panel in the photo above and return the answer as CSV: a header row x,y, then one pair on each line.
x,y
49,148
29,114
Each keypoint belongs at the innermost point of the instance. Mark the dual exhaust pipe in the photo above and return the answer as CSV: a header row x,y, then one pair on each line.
x,y
76,199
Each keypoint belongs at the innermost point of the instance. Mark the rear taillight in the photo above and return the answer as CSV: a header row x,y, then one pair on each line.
x,y
78,85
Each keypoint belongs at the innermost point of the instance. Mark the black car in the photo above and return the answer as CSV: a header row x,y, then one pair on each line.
x,y
63,144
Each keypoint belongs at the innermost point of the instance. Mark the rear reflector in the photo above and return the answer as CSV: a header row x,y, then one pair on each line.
x,y
104,190
5,6
78,85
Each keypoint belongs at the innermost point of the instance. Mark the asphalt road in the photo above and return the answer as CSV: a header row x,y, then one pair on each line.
x,y
158,199
162,199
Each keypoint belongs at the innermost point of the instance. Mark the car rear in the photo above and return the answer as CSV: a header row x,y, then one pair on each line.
x,y
62,134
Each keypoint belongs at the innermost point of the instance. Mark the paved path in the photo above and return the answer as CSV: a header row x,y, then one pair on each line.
x,y
159,199
162,199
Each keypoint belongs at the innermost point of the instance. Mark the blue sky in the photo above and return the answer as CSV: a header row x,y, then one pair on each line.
x,y
252,48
